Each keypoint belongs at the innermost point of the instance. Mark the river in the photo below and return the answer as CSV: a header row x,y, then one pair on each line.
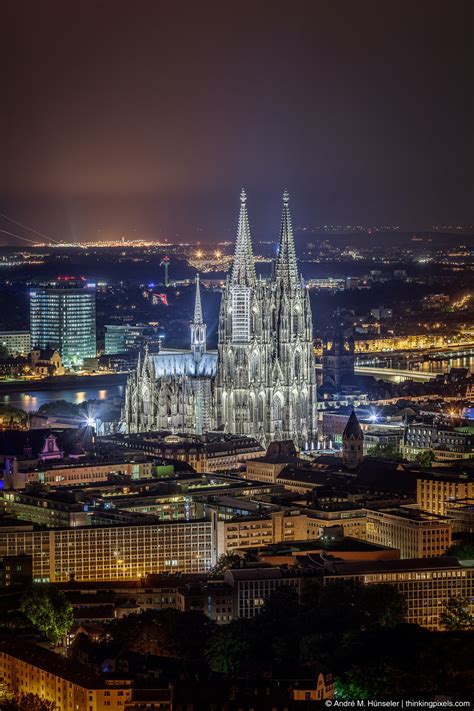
x,y
31,400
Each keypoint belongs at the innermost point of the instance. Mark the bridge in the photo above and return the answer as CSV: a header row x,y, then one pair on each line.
x,y
391,374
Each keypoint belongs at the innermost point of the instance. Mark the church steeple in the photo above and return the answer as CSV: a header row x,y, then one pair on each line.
x,y
286,270
198,327
197,303
243,272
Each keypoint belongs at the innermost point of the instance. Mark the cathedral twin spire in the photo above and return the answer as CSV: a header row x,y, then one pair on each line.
x,y
286,271
243,272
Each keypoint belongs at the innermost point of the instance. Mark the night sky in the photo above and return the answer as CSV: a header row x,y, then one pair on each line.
x,y
146,117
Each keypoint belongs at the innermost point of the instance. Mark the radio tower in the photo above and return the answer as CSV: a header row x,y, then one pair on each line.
x,y
165,262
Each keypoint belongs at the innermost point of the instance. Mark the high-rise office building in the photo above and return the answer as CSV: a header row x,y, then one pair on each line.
x,y
62,316
16,342
122,338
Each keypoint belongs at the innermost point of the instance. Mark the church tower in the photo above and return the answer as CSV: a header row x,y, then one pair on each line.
x,y
266,381
240,313
352,443
198,327
293,403
338,359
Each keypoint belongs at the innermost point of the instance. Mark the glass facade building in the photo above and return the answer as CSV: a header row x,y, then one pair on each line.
x,y
64,318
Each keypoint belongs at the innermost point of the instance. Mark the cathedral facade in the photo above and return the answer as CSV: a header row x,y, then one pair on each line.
x,y
262,381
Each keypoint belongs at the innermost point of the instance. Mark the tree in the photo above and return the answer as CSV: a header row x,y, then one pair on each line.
x,y
426,459
33,702
386,451
28,702
227,561
165,633
231,647
456,615
464,549
48,609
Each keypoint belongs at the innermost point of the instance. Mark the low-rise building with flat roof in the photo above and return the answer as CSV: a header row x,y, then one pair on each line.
x,y
415,533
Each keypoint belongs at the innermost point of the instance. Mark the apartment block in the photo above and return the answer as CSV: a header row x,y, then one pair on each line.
x,y
415,533
436,490
28,668
112,552
426,584
71,473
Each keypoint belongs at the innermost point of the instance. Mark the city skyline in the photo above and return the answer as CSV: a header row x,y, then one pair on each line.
x,y
236,355
153,122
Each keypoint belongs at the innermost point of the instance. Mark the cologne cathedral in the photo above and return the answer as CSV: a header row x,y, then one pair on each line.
x,y
262,380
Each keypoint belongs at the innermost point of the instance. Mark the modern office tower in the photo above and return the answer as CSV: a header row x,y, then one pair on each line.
x,y
62,316
16,342
121,338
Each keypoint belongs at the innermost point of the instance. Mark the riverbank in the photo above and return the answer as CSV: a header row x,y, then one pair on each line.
x,y
64,382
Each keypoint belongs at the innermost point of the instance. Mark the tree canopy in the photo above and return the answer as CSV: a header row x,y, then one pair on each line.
x,y
48,609
456,615
463,549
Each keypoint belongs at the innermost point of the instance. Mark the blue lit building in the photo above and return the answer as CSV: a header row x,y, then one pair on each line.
x,y
62,316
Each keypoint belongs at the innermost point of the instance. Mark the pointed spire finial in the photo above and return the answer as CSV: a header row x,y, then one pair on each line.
x,y
243,272
286,269
197,303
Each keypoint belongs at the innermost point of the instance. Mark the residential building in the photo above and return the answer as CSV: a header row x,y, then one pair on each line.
x,y
16,343
447,443
112,552
461,515
29,668
253,531
212,452
387,437
72,472
415,533
426,583
438,488
252,586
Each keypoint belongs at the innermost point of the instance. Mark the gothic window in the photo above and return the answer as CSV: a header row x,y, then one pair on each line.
x,y
295,408
261,408
230,364
251,408
254,369
298,321
297,365
255,324
146,401
277,408
303,407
